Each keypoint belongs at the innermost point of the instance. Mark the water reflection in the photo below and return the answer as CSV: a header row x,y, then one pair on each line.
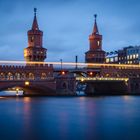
x,y
70,118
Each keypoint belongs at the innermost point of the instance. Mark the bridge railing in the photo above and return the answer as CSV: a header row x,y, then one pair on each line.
x,y
101,79
70,64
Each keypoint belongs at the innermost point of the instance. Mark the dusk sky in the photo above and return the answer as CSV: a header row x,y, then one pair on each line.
x,y
66,25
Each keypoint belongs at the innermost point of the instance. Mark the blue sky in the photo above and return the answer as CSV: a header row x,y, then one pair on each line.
x,y
67,25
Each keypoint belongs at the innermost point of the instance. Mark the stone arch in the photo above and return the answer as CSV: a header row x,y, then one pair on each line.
x,y
107,75
134,75
17,76
31,76
118,75
23,76
2,76
43,76
9,76
64,85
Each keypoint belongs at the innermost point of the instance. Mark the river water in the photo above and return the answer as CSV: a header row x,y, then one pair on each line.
x,y
70,118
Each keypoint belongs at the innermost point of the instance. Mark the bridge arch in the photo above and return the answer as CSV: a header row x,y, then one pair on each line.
x,y
9,76
64,85
31,76
17,76
2,76
43,76
23,76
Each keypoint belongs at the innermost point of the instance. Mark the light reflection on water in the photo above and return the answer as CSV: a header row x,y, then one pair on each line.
x,y
70,118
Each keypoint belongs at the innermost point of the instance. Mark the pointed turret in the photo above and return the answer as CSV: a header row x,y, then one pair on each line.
x,y
35,24
35,50
95,53
95,29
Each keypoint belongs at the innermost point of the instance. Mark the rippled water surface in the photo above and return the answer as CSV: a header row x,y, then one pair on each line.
x,y
70,118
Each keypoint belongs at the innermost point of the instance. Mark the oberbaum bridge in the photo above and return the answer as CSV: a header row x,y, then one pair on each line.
x,y
95,77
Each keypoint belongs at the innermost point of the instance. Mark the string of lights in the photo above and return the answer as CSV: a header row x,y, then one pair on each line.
x,y
91,65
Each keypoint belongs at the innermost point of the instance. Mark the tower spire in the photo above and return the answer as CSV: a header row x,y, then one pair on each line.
x,y
95,29
35,10
35,24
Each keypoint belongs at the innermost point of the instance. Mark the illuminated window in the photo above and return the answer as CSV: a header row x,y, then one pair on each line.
x,y
116,59
134,56
127,56
111,60
107,60
137,55
98,43
131,56
10,76
2,76
17,76
32,39
43,76
31,76
23,76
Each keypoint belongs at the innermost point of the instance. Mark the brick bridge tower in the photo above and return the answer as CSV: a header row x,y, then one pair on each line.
x,y
95,53
35,52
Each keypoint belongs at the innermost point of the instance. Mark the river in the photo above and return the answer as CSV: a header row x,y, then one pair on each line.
x,y
70,118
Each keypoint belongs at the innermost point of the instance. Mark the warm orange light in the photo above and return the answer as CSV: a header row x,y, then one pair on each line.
x,y
101,79
63,72
91,73
73,64
17,89
27,83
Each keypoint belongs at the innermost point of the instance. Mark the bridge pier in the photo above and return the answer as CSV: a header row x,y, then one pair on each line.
x,y
65,85
134,86
106,88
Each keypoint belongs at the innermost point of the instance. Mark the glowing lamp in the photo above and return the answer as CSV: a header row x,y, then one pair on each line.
x,y
27,83
91,73
63,72
17,89
82,80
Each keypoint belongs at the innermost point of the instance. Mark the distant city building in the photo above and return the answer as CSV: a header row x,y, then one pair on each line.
x,y
35,51
128,55
112,58
133,55
95,53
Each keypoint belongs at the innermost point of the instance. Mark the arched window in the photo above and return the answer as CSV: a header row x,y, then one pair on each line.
x,y
107,75
2,76
64,85
23,76
10,76
31,76
43,76
17,76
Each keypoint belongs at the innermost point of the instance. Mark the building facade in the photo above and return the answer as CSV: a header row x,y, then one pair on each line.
x,y
95,53
133,55
127,55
